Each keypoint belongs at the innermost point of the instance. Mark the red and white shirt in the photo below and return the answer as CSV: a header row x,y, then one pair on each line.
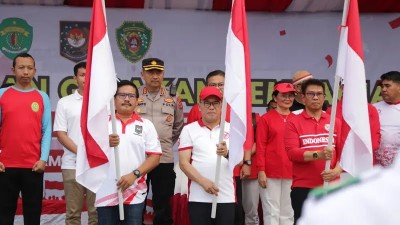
x,y
389,117
138,138
304,133
202,141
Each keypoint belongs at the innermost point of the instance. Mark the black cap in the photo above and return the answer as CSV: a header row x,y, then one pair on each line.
x,y
152,64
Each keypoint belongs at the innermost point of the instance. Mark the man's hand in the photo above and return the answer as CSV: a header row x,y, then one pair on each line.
x,y
126,181
2,167
39,166
222,149
114,140
262,179
209,186
326,153
245,171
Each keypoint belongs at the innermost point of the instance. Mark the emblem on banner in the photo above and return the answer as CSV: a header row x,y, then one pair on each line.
x,y
133,40
15,37
74,38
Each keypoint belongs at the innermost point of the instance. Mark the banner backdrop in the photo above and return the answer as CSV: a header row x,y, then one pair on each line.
x,y
192,43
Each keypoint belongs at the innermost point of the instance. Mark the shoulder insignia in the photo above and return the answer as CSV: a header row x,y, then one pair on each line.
x,y
144,92
140,100
319,193
162,91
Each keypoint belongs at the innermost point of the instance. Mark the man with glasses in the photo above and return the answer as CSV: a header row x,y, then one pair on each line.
x,y
165,110
68,129
216,79
139,153
306,140
199,147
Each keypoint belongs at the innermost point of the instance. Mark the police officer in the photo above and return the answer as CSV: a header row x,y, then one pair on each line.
x,y
161,106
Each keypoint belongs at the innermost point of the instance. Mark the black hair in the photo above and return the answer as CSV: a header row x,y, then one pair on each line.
x,y
22,55
127,83
215,73
309,82
78,66
392,76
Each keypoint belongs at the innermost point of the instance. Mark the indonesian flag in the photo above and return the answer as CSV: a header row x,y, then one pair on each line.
x,y
100,87
357,148
237,91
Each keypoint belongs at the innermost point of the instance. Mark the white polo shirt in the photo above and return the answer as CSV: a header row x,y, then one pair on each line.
x,y
389,117
68,119
202,141
138,138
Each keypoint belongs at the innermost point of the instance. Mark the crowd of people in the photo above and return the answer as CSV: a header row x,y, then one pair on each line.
x,y
276,176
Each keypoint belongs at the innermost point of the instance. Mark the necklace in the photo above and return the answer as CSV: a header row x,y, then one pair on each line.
x,y
284,118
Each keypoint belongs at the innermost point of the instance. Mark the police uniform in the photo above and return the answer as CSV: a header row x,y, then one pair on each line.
x,y
166,112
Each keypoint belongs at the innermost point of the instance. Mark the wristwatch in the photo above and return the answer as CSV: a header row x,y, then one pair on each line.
x,y
137,173
247,162
315,155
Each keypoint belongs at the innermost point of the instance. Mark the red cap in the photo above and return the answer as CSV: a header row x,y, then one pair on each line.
x,y
284,87
210,91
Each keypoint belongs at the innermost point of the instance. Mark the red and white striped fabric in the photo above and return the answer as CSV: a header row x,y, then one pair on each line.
x,y
357,148
225,5
100,87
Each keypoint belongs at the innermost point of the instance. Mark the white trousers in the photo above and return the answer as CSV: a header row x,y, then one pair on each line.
x,y
276,203
250,198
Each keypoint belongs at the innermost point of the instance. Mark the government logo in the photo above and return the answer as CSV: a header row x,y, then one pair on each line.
x,y
15,37
133,39
74,39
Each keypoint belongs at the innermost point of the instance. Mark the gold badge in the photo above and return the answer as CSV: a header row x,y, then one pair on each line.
x,y
168,100
138,110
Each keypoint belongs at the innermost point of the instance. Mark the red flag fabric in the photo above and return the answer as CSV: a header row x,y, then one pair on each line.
x,y
357,147
100,87
237,90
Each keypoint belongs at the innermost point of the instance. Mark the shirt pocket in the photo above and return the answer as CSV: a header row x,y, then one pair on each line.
x,y
168,113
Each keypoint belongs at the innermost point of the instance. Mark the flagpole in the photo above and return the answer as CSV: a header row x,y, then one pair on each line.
x,y
218,167
117,164
339,73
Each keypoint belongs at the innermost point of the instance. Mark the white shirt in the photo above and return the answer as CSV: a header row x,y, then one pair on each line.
x,y
68,119
138,138
389,117
202,141
371,201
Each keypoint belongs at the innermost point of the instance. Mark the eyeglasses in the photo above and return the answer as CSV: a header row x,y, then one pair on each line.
x,y
123,96
214,104
313,94
216,84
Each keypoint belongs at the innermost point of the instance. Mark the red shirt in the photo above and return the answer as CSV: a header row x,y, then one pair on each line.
x,y
271,156
374,124
304,133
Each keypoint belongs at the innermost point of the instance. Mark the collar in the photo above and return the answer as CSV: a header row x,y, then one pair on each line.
x,y
132,119
202,124
393,103
77,95
305,114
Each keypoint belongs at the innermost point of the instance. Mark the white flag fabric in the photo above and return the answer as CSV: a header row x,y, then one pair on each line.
x,y
100,87
357,147
237,91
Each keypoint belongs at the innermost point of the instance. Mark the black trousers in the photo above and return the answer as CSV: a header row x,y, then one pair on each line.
x,y
298,195
30,184
200,213
239,212
162,180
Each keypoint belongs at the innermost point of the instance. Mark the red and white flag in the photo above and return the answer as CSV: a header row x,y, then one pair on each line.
x,y
357,148
237,91
100,87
